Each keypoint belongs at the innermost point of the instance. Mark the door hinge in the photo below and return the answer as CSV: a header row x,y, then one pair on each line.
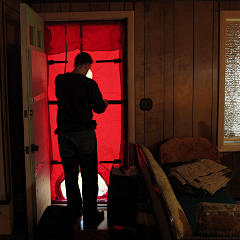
x,y
26,149
33,148
28,113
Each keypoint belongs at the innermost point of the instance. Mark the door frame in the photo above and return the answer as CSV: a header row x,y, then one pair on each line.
x,y
110,15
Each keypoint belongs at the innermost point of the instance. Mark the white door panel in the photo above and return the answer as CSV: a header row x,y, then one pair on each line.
x,y
35,106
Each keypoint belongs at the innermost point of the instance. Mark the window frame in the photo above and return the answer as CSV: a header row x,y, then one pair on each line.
x,y
234,145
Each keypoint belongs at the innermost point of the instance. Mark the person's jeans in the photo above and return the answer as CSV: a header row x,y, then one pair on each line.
x,y
80,149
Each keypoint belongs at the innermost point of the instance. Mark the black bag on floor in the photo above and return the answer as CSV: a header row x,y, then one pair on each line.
x,y
55,224
122,197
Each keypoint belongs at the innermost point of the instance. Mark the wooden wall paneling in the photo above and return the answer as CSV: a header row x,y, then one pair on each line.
x,y
202,91
12,34
46,7
122,5
215,56
70,6
229,5
227,160
117,5
2,72
154,71
235,178
234,5
183,68
139,69
128,5
79,7
37,7
53,7
13,4
12,26
15,114
224,5
168,44
64,7
99,6
5,154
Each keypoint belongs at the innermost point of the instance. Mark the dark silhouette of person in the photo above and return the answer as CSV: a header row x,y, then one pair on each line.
x,y
78,97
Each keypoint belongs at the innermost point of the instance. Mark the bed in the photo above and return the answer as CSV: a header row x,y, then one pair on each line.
x,y
175,213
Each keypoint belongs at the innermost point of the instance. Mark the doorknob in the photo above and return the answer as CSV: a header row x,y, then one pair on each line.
x,y
34,148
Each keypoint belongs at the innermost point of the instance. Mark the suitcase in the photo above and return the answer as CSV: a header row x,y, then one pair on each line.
x,y
218,219
122,197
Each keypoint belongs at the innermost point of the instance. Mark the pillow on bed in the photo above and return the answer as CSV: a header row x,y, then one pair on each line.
x,y
184,149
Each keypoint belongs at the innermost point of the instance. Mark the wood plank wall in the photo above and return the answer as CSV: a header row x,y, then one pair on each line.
x,y
176,65
13,87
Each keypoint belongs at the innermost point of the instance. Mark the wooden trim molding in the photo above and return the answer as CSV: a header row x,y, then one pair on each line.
x,y
86,16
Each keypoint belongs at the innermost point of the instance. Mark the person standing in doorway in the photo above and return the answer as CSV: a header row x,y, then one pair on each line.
x,y
78,97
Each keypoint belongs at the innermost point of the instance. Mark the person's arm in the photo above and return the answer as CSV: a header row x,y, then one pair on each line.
x,y
99,104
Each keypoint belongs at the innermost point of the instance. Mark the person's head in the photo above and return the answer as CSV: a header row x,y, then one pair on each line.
x,y
83,62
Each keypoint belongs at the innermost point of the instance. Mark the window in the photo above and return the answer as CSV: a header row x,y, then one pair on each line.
x,y
229,88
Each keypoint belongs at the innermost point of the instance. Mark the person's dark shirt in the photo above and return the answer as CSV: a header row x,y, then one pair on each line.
x,y
77,97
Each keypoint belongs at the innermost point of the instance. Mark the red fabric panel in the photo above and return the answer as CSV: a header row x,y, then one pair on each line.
x,y
95,37
54,137
57,170
108,133
107,74
55,38
109,78
104,37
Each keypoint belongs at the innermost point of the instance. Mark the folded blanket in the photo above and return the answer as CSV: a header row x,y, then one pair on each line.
x,y
203,173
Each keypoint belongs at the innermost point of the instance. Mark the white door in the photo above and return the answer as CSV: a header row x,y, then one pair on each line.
x,y
36,122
